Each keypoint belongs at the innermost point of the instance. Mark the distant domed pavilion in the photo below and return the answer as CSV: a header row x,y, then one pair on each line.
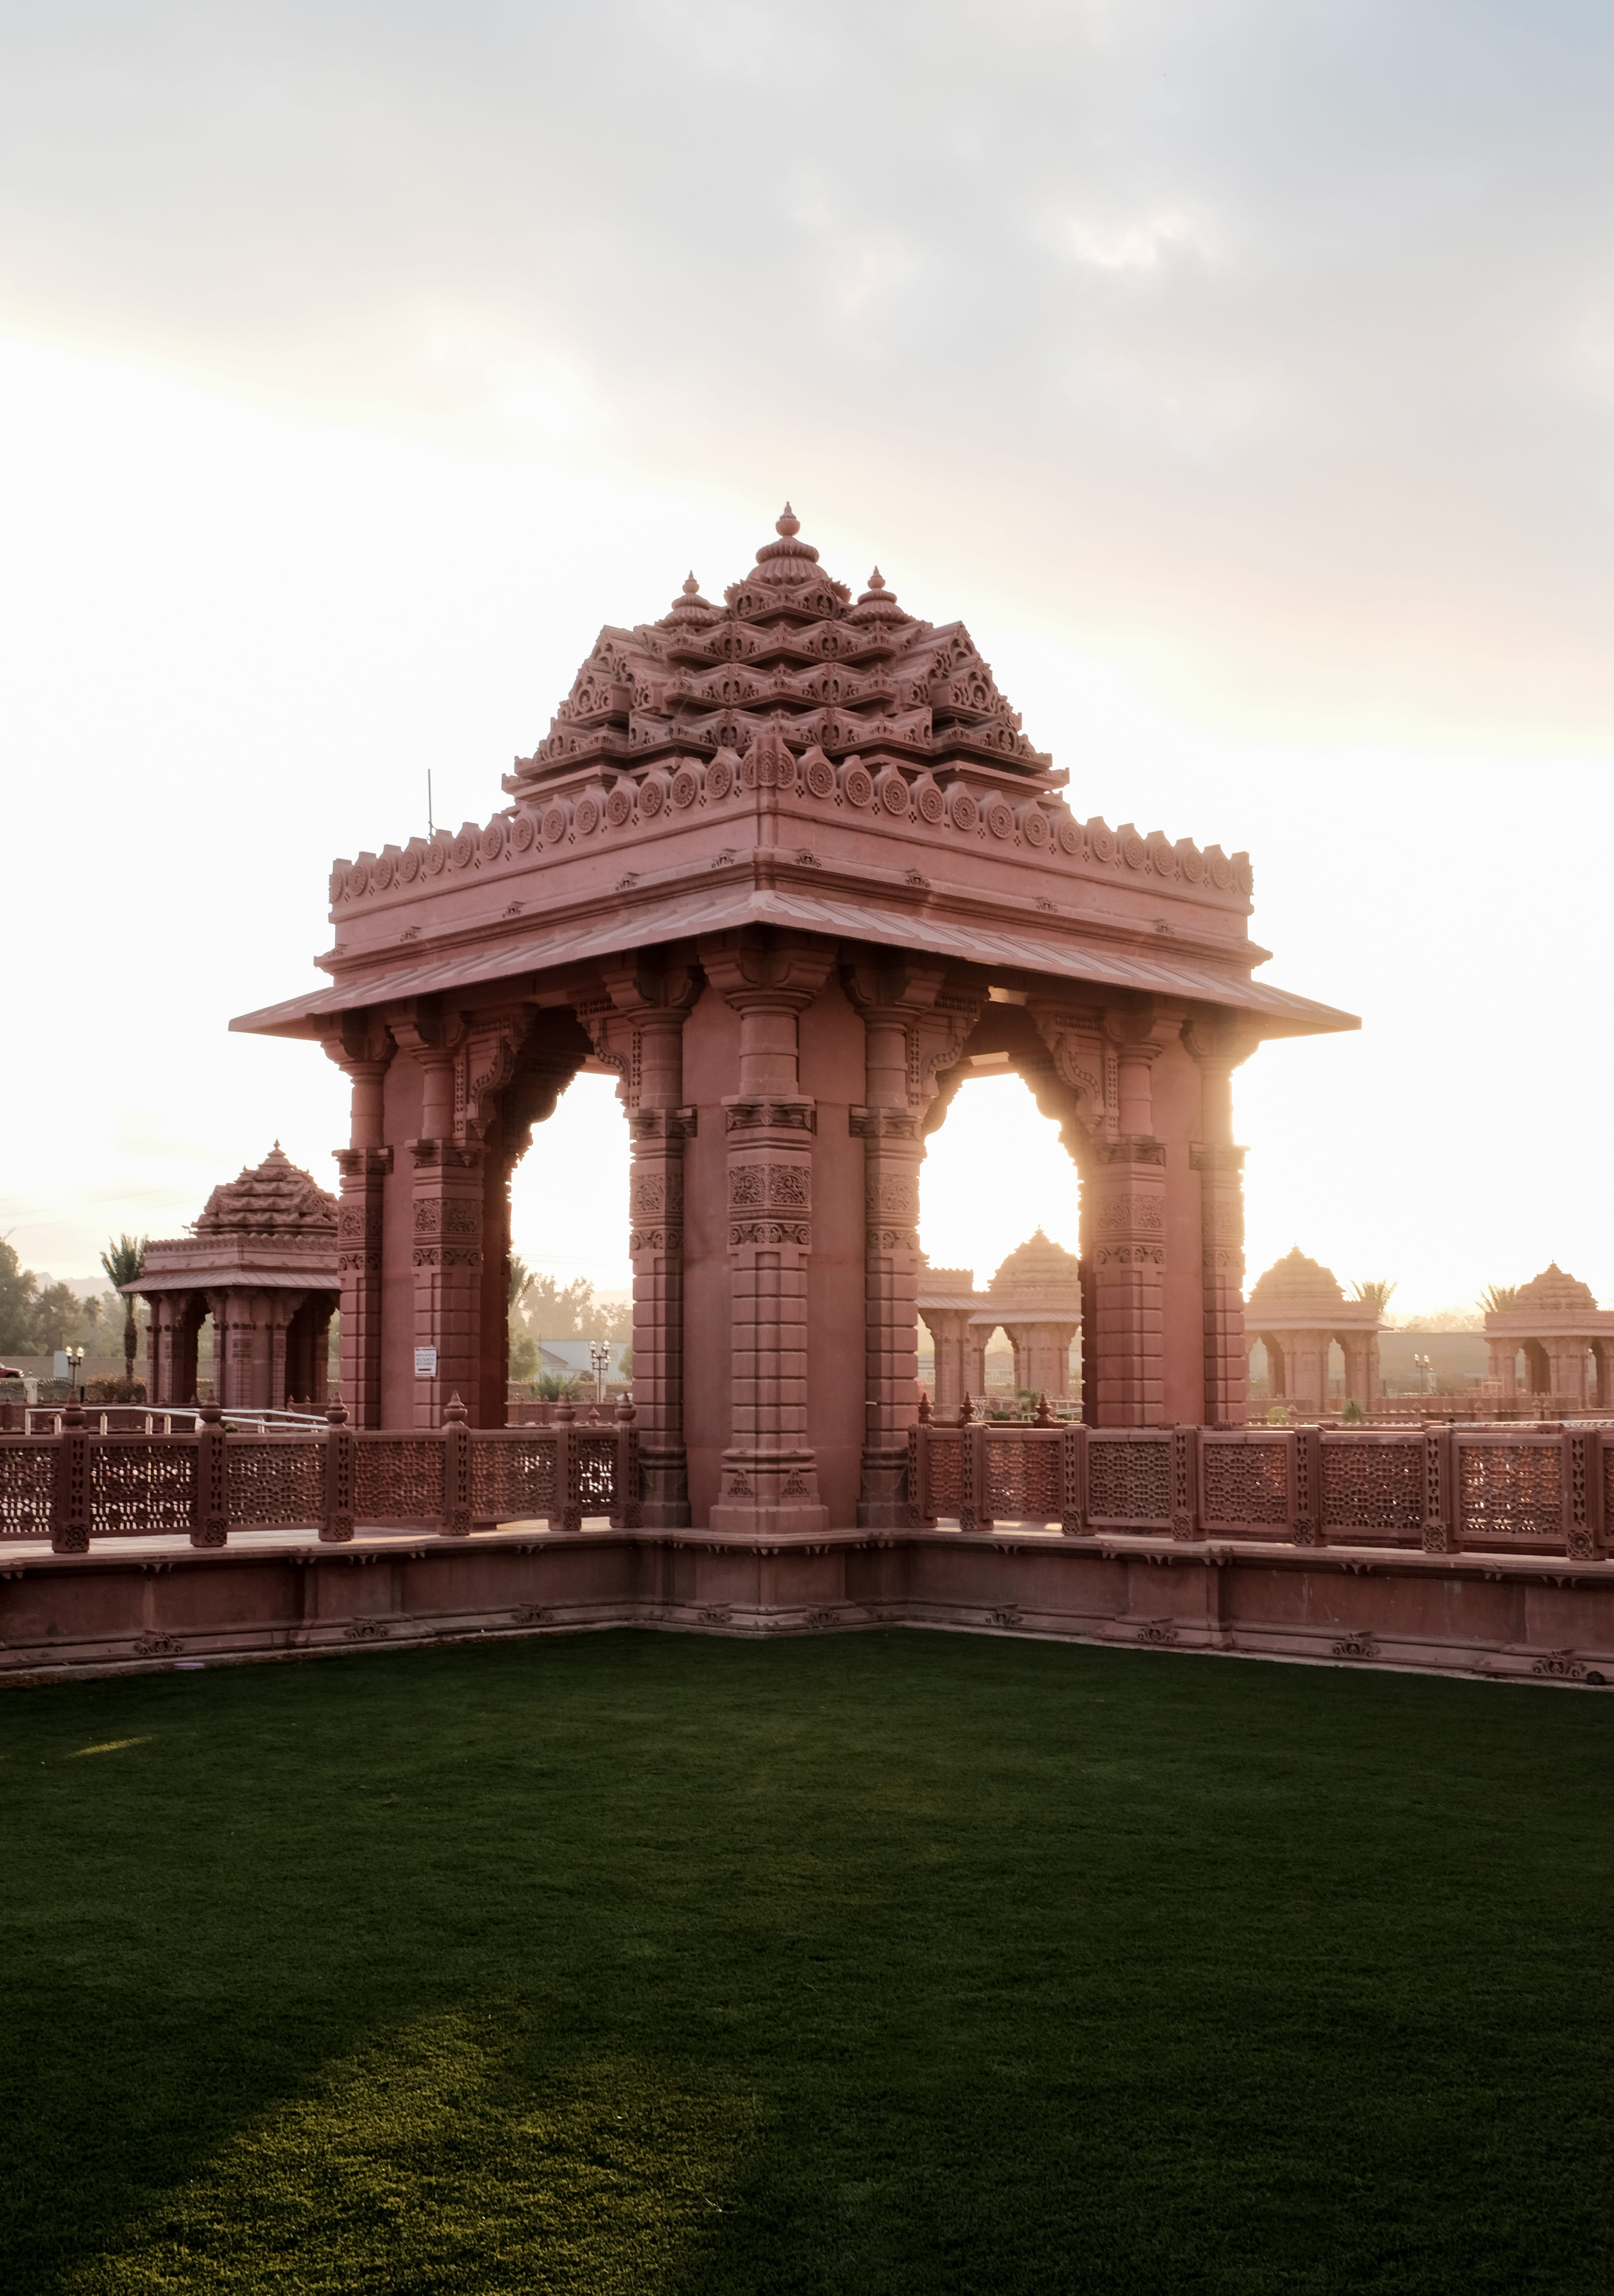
x,y
1297,1310
1566,1340
262,1261
1035,1299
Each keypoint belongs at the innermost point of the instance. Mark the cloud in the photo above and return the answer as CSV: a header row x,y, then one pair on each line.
x,y
1308,363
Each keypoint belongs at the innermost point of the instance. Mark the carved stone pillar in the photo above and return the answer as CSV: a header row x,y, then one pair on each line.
x,y
446,1220
364,1054
907,1036
769,1478
1042,1356
1360,1351
642,1036
1123,1293
1220,1166
949,1329
1505,1364
1305,1368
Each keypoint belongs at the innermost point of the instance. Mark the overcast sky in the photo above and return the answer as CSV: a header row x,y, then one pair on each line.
x,y
1243,374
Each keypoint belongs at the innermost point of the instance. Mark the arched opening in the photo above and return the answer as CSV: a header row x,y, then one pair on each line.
x,y
308,1353
1260,1371
1334,1373
996,1172
1537,1379
566,1192
569,1227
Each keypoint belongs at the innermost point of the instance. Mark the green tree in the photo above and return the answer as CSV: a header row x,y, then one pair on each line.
x,y
58,1316
18,1303
124,1260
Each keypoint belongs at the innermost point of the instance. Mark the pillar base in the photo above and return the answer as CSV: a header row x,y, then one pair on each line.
x,y
882,1503
774,1492
664,1483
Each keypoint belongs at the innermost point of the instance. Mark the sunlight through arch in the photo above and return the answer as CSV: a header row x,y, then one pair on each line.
x,y
569,1194
992,1174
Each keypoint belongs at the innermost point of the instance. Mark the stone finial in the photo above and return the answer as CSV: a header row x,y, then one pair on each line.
x,y
877,580
336,1410
454,1413
1044,1414
924,1407
787,522
625,1413
692,588
966,1411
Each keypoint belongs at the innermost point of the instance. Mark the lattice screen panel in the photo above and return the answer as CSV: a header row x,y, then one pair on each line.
x,y
1369,1484
28,1478
1509,1492
397,1479
513,1478
1244,1483
275,1482
1129,1481
142,1488
1024,1479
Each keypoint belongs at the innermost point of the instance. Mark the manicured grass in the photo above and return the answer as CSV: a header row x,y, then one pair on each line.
x,y
892,1962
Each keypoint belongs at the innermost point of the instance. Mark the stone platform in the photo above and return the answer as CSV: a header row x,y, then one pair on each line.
x,y
151,1604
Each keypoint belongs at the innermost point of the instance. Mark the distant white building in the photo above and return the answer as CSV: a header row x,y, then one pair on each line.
x,y
571,1359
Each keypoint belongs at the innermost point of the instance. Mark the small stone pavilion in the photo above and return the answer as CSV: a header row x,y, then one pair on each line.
x,y
787,865
262,1261
1035,1299
1297,1310
1560,1338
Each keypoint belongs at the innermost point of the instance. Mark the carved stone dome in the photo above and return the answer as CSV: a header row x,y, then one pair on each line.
x,y
1037,1265
1295,1285
1556,1293
277,1197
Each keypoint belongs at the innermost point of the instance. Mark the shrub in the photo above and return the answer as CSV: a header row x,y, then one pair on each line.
x,y
1353,1410
1278,1416
115,1391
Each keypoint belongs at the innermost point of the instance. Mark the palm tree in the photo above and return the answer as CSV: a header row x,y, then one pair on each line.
x,y
124,1260
518,1283
1374,1291
1497,1297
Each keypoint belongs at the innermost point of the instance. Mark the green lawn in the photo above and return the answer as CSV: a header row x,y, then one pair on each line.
x,y
891,1961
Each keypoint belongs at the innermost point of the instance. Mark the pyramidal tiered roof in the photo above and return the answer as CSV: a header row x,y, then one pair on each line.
x,y
1038,1264
277,1196
1295,1282
1555,1291
789,650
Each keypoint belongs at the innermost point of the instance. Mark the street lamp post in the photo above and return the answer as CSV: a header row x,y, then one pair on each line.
x,y
74,1365
599,1355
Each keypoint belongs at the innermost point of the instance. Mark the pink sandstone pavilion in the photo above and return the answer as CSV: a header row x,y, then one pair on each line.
x,y
261,1261
1297,1311
1565,1339
1035,1299
790,870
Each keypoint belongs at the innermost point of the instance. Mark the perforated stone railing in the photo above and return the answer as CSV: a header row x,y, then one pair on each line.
x,y
1439,1490
78,1485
